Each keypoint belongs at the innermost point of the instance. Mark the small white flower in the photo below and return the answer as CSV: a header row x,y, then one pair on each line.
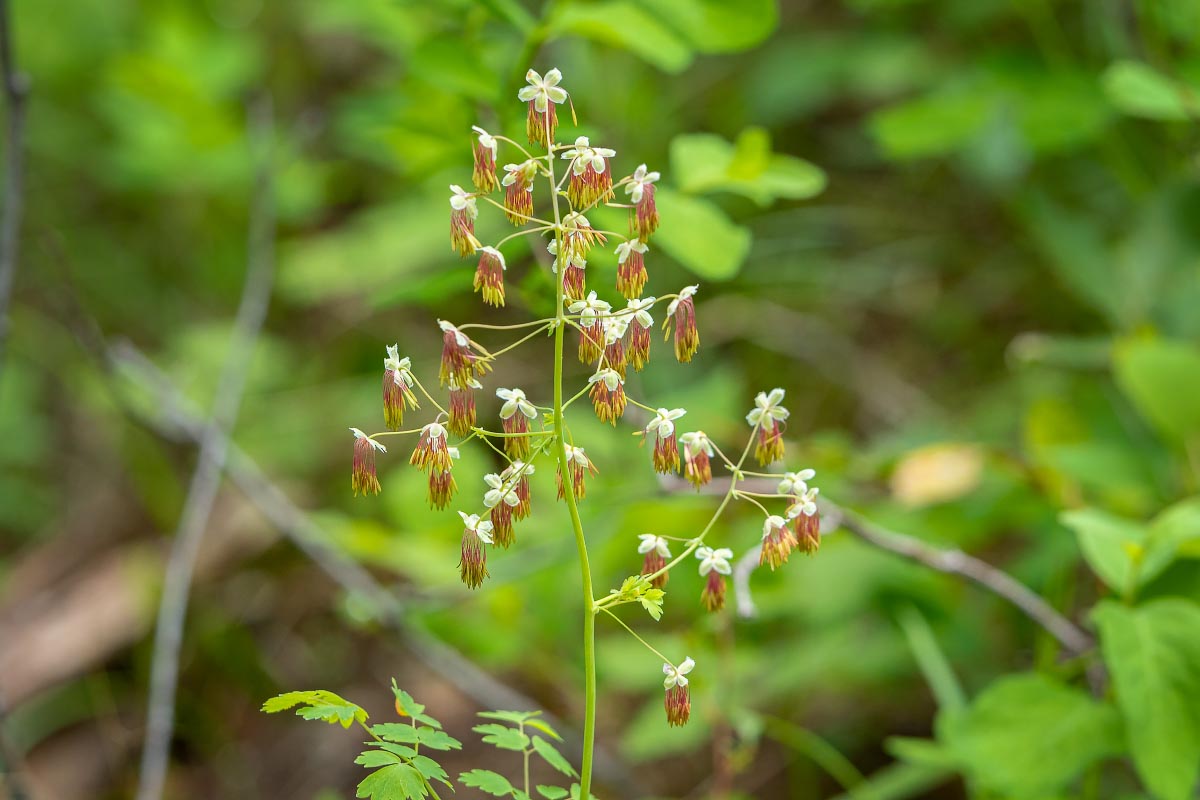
x,y
767,408
675,675
614,328
796,482
641,313
573,222
360,435
805,504
524,172
625,248
684,294
664,422
656,543
637,183
461,200
498,492
517,468
589,309
401,367
695,442
611,378
434,430
584,154
514,401
480,527
493,252
576,261
542,91
460,338
486,140
577,456
714,560
771,524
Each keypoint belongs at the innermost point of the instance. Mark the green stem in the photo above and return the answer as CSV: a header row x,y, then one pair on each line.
x,y
589,612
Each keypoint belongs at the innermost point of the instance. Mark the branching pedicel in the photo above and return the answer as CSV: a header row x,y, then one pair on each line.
x,y
609,341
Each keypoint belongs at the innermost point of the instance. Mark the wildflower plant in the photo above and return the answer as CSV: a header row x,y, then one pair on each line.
x,y
548,192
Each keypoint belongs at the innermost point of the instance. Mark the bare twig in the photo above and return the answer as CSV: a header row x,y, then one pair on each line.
x,y
951,562
206,479
16,89
177,421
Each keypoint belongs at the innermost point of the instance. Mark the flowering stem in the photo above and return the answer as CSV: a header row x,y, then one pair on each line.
x,y
633,633
589,613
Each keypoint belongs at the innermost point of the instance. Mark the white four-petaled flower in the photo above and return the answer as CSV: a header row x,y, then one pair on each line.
x,y
772,524
584,155
480,527
542,89
401,367
524,172
589,309
498,492
614,328
640,309
577,456
663,422
696,442
675,675
714,560
360,435
767,408
611,378
796,482
625,248
434,430
684,294
514,401
486,140
637,183
460,200
656,543
805,504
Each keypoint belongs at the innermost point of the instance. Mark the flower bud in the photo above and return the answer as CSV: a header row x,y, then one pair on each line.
x,y
631,268
462,407
682,311
362,471
484,149
462,222
489,276
397,388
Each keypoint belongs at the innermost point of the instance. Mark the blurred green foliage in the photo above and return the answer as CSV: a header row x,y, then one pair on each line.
x,y
935,222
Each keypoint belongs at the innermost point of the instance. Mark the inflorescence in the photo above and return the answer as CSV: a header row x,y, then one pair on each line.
x,y
610,341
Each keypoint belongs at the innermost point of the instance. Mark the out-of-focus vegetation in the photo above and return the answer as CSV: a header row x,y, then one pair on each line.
x,y
965,235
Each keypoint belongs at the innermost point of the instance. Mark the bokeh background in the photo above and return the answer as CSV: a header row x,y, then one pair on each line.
x,y
964,236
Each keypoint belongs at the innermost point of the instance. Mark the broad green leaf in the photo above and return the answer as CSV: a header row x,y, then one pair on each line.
x,y
487,781
699,235
627,25
552,792
430,769
318,705
395,782
1029,736
930,126
718,26
438,740
406,706
1153,655
1162,380
553,757
706,162
503,736
1112,546
376,758
1139,90
396,732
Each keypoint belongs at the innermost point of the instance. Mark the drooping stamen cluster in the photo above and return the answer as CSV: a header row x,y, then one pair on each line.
x,y
614,350
666,444
777,542
362,472
442,486
574,278
432,453
541,94
591,179
591,328
678,700
462,407
657,552
397,388
462,222
579,465
640,323
489,276
641,193
803,512
517,474
501,498
714,564
484,173
682,311
579,236
765,417
608,395
631,268
472,563
518,191
459,363
697,455
515,415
